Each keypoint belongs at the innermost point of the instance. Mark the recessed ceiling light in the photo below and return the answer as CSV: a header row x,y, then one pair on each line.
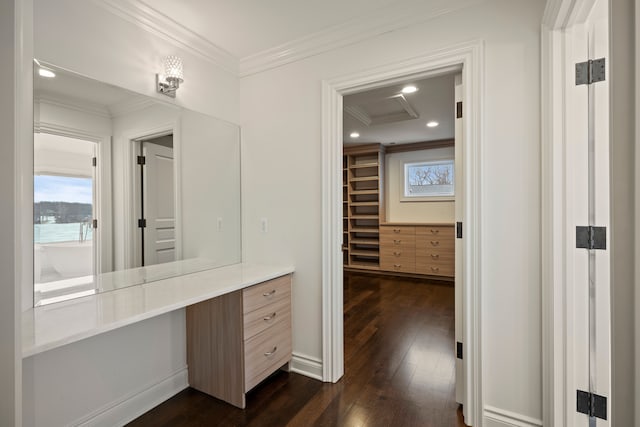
x,y
409,89
354,135
43,72
432,124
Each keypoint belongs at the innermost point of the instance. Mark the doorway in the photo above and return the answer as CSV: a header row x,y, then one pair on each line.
x,y
64,210
399,237
467,59
155,242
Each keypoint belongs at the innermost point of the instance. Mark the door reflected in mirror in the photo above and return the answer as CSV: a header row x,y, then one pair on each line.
x,y
128,189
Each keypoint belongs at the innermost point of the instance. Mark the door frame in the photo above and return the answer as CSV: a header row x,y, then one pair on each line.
x,y
103,258
131,193
469,57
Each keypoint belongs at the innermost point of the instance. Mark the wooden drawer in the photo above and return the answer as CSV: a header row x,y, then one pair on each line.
x,y
397,230
435,269
267,316
444,232
266,293
403,261
434,243
266,352
394,241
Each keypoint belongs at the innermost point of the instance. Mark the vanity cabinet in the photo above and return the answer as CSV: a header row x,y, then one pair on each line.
x,y
236,340
426,249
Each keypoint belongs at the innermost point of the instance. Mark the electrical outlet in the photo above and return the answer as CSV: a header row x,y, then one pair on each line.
x,y
264,225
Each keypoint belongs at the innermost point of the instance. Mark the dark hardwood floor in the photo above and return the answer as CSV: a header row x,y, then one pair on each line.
x,y
399,369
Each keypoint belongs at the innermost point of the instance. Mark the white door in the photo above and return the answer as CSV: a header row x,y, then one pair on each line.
x,y
459,278
159,244
587,184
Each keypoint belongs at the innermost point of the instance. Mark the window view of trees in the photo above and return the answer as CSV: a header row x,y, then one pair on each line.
x,y
429,179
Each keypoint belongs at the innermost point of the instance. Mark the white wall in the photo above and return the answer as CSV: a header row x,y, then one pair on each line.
x,y
399,210
143,362
281,121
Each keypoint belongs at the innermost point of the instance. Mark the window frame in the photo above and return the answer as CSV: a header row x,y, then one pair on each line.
x,y
407,196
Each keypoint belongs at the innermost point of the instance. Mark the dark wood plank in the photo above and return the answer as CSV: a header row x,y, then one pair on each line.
x,y
399,369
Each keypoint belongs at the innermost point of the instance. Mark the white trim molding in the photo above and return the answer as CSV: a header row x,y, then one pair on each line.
x,y
306,365
131,406
159,24
363,27
468,57
501,418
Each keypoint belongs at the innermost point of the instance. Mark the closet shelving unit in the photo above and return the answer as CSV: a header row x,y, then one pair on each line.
x,y
363,207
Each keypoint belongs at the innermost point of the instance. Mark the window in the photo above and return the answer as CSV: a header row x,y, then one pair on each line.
x,y
429,179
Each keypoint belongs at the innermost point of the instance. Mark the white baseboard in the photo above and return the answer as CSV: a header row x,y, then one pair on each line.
x,y
306,365
131,406
496,417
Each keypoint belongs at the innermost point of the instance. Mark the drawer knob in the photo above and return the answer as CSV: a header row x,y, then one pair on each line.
x,y
270,294
397,241
435,269
270,317
434,231
272,352
435,256
436,243
396,253
396,230
397,265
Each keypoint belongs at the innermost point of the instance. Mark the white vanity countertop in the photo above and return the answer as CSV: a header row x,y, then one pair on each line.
x,y
50,326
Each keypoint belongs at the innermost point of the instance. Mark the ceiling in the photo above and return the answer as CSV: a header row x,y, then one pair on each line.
x,y
247,27
385,115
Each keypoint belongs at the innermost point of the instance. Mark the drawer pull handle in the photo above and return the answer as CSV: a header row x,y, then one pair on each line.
x,y
397,265
435,256
272,352
435,269
397,241
434,231
396,230
396,253
436,243
269,294
269,317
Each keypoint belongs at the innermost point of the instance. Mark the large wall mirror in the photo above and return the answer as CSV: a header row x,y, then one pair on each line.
x,y
128,189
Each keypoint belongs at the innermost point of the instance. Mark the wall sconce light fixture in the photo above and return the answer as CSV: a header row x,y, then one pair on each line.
x,y
169,82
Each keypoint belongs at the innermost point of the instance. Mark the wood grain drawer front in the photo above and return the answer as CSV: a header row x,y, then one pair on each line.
x,y
266,293
266,352
435,269
445,232
393,242
397,230
434,243
402,263
266,317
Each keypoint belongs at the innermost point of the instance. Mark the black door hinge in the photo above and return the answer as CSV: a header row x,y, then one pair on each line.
x,y
142,160
142,223
591,71
459,350
591,404
94,161
95,223
459,110
459,230
591,237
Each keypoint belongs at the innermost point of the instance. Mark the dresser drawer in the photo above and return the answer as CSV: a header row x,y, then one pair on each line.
x,y
435,269
405,263
266,317
444,232
266,352
266,293
434,243
397,230
389,241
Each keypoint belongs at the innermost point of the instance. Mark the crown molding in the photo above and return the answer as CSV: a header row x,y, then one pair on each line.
x,y
365,26
133,104
158,24
358,113
72,104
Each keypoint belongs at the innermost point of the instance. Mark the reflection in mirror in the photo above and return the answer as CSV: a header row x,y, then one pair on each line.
x,y
127,189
